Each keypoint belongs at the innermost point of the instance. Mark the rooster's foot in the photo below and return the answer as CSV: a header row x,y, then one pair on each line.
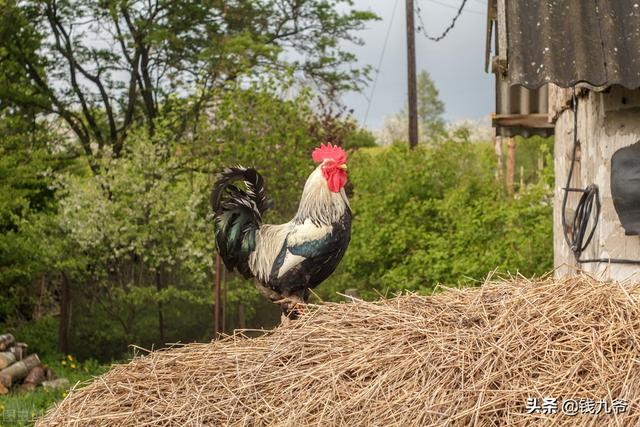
x,y
292,307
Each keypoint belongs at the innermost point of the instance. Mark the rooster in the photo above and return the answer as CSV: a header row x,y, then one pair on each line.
x,y
286,260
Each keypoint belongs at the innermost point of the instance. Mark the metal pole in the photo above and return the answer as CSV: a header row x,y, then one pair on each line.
x,y
411,74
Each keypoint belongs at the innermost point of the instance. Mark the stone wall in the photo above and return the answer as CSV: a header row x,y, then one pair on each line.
x,y
607,121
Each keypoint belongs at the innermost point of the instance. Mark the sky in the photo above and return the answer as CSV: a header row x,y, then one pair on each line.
x,y
456,64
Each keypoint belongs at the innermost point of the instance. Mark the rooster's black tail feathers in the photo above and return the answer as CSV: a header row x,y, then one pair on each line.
x,y
238,215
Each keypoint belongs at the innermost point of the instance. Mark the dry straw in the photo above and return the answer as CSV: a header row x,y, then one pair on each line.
x,y
460,357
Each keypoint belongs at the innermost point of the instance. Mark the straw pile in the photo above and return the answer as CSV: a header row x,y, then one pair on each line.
x,y
460,357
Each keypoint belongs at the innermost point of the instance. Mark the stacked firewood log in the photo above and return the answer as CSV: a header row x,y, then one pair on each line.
x,y
19,369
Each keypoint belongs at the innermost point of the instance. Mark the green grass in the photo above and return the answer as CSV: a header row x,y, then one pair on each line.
x,y
22,408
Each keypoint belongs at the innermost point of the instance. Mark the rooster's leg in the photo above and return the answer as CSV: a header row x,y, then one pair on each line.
x,y
292,306
268,293
301,298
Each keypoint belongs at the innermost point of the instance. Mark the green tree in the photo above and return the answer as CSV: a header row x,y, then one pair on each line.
x,y
33,151
27,168
430,107
147,100
143,223
431,125
103,66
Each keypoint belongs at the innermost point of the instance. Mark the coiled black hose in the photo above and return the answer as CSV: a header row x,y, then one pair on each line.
x,y
589,199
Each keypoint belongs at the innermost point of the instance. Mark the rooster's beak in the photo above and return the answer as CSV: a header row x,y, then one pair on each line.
x,y
343,167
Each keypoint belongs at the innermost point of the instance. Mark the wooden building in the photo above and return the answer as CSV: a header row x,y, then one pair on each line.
x,y
580,63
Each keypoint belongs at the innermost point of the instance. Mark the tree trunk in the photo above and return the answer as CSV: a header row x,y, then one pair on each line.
x,y
511,164
65,315
217,299
224,299
160,309
242,316
18,370
35,377
7,358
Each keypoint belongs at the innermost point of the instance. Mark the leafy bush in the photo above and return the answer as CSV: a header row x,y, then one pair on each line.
x,y
40,335
436,214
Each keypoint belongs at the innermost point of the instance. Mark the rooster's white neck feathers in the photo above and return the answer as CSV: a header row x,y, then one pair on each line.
x,y
319,204
319,209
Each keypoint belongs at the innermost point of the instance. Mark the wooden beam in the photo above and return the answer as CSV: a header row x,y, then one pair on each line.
x,y
502,35
499,163
511,163
536,121
492,14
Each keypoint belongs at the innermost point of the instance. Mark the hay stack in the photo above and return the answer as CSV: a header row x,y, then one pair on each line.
x,y
461,357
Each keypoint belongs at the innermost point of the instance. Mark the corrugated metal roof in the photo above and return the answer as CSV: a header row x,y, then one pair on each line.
x,y
521,111
572,41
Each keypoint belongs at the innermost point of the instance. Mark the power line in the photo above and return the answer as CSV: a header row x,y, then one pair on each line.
x,y
450,6
384,48
446,31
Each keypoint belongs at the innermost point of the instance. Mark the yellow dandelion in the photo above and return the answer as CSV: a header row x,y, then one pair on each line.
x,y
73,366
64,394
64,363
70,357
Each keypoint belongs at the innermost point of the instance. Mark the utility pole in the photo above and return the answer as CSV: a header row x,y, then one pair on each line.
x,y
411,74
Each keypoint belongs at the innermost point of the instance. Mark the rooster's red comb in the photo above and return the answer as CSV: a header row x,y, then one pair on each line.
x,y
328,151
